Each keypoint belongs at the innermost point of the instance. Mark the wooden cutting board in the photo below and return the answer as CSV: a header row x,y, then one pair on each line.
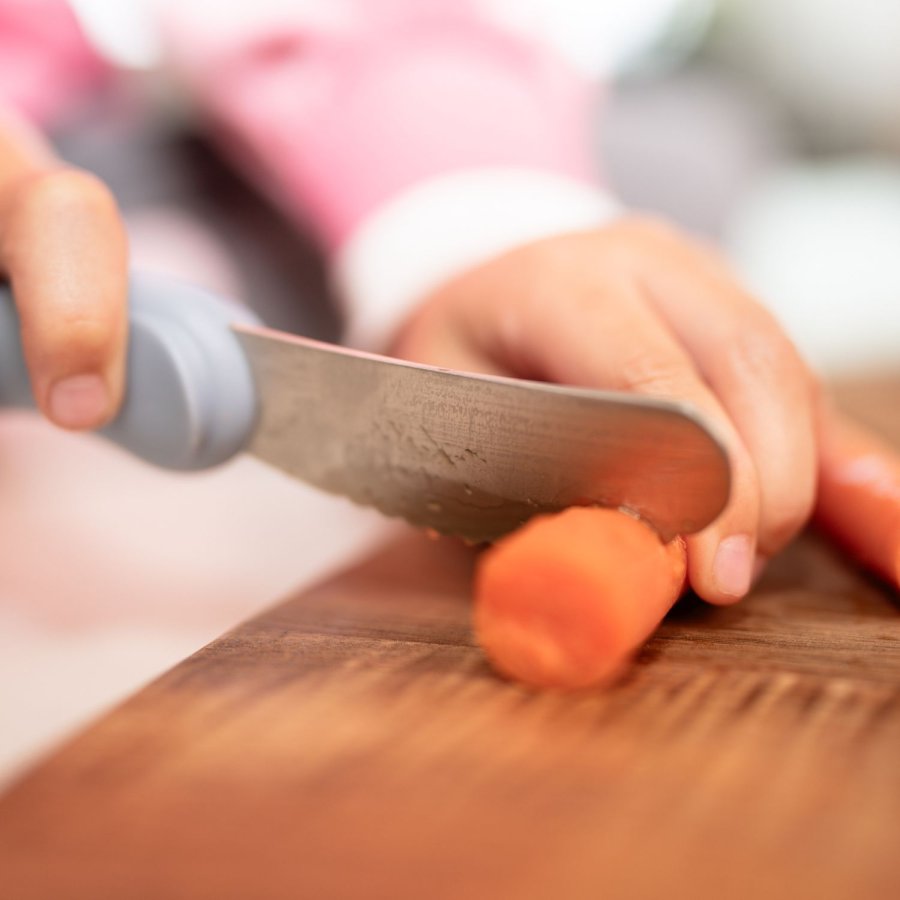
x,y
352,743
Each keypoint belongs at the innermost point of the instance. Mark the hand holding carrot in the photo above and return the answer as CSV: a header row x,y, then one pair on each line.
x,y
567,599
634,306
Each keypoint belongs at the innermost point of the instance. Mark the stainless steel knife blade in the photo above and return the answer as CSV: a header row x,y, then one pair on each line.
x,y
476,456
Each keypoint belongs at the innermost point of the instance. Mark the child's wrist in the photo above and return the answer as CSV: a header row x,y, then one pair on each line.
x,y
444,226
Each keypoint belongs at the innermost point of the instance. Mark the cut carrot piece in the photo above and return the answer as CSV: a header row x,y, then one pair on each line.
x,y
858,503
567,599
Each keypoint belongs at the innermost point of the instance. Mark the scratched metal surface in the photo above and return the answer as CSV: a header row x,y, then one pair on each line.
x,y
476,457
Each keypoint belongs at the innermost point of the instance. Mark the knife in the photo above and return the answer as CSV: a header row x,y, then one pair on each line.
x,y
466,455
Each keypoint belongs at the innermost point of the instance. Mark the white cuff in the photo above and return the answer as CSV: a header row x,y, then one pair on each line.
x,y
443,226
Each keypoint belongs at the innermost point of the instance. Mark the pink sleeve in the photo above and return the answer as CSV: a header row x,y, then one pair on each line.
x,y
335,118
46,65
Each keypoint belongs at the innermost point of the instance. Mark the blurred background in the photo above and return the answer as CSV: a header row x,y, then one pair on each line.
x,y
771,127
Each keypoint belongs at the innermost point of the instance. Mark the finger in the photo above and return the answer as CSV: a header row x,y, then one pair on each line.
x,y
615,340
759,379
64,249
437,335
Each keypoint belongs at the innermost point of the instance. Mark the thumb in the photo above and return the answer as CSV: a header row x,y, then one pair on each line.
x,y
65,251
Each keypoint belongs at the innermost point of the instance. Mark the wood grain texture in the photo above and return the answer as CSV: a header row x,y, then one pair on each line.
x,y
352,743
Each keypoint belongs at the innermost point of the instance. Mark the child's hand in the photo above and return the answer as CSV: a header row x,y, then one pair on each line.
x,y
634,306
63,248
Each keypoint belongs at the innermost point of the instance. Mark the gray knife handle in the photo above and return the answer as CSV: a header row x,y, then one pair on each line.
x,y
190,402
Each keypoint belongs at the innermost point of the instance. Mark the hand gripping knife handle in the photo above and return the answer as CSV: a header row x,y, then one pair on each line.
x,y
190,401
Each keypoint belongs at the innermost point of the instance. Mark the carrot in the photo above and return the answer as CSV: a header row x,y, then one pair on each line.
x,y
858,502
567,599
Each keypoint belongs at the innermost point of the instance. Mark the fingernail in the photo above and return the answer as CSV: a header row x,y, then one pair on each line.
x,y
79,401
733,565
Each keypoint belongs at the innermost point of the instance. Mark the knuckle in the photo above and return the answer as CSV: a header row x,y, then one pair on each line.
x,y
75,341
64,190
660,236
645,373
763,353
646,227
642,240
89,336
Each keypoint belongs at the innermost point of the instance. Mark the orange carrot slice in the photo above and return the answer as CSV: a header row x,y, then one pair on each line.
x,y
858,502
566,600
